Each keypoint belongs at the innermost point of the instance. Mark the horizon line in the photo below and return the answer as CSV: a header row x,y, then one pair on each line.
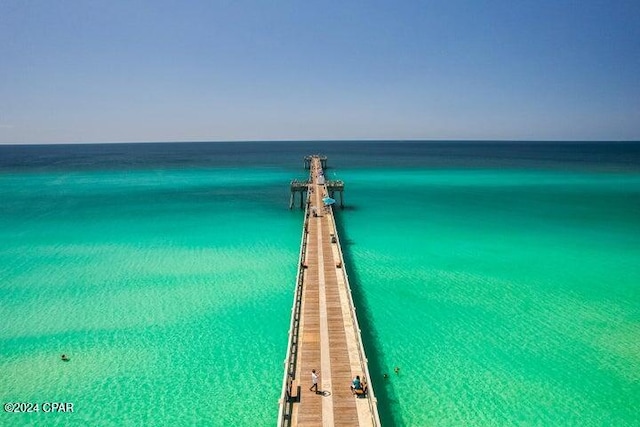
x,y
242,141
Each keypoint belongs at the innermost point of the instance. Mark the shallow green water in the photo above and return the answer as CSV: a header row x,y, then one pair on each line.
x,y
504,297
169,291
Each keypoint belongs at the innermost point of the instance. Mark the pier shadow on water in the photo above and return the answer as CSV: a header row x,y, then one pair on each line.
x,y
383,388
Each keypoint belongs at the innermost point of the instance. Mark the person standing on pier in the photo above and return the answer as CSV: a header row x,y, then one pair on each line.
x,y
314,381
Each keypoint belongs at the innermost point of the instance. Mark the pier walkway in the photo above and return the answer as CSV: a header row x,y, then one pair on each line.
x,y
324,334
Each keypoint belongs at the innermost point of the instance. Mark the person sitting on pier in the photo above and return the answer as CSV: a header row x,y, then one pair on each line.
x,y
355,384
358,388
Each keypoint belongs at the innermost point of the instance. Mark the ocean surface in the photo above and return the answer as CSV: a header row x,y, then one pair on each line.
x,y
502,279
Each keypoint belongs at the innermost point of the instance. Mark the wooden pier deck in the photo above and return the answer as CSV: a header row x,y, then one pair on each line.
x,y
324,333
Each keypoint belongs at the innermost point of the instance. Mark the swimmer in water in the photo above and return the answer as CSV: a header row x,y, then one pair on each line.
x,y
64,358
396,370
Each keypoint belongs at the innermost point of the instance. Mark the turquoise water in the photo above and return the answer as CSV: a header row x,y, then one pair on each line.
x,y
169,290
505,297
502,279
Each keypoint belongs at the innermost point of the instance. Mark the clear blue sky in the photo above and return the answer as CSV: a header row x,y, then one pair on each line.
x,y
101,71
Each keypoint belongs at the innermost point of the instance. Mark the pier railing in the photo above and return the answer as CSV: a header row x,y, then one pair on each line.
x,y
288,382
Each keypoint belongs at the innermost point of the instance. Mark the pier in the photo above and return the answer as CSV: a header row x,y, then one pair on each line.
x,y
324,334
308,160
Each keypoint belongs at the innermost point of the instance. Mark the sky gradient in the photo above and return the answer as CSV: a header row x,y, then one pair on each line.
x,y
129,71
